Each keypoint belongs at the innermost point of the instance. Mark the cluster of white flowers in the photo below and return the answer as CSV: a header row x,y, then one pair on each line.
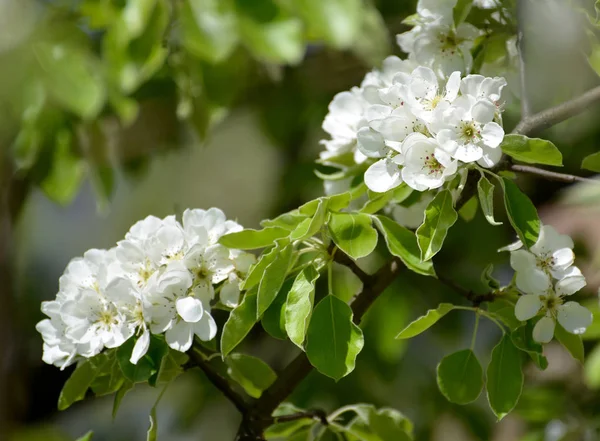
x,y
421,130
162,278
546,275
436,42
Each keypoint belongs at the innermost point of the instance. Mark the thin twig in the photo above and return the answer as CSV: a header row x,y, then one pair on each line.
x,y
218,381
557,114
550,175
474,298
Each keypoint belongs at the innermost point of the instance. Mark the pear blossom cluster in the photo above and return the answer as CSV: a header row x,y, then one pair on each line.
x,y
163,278
546,276
418,128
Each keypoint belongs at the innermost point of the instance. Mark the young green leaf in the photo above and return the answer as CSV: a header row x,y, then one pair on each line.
x,y
522,338
425,322
402,243
439,217
253,374
110,379
147,367
257,271
299,305
126,387
170,367
333,340
273,320
504,377
468,211
240,322
531,150
485,189
504,311
273,278
81,379
573,343
591,369
461,11
288,221
379,424
521,213
376,202
353,233
591,162
460,377
311,226
286,429
251,239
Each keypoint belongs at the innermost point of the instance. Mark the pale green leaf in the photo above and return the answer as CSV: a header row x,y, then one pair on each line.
x,y
253,374
299,305
272,279
353,233
439,217
311,226
81,379
591,369
425,322
460,377
531,150
251,239
504,377
521,212
485,189
592,162
573,343
344,283
402,243
333,341
240,322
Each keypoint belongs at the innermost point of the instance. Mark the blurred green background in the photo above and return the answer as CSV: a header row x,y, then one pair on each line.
x,y
111,110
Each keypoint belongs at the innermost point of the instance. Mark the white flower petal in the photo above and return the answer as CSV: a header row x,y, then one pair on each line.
x,y
570,285
180,336
492,134
563,258
230,293
574,317
206,329
468,152
452,86
141,347
382,176
190,309
543,330
527,306
533,281
483,111
371,143
522,260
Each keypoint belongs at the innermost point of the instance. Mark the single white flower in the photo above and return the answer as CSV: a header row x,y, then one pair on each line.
x,y
551,301
551,256
470,134
426,165
207,226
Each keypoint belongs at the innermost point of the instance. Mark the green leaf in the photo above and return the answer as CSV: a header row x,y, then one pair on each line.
x,y
344,283
591,369
153,429
276,41
376,202
257,271
402,243
425,322
272,279
522,338
251,239
208,28
353,233
81,379
591,162
299,305
468,211
504,311
372,424
240,322
531,150
572,343
72,77
110,379
288,221
126,387
333,341
461,11
66,173
485,189
287,429
311,226
335,21
504,377
87,437
253,374
460,377
521,213
170,366
439,217
147,366
273,320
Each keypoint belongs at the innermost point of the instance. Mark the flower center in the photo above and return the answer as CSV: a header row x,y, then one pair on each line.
x,y
551,302
468,130
448,42
433,164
